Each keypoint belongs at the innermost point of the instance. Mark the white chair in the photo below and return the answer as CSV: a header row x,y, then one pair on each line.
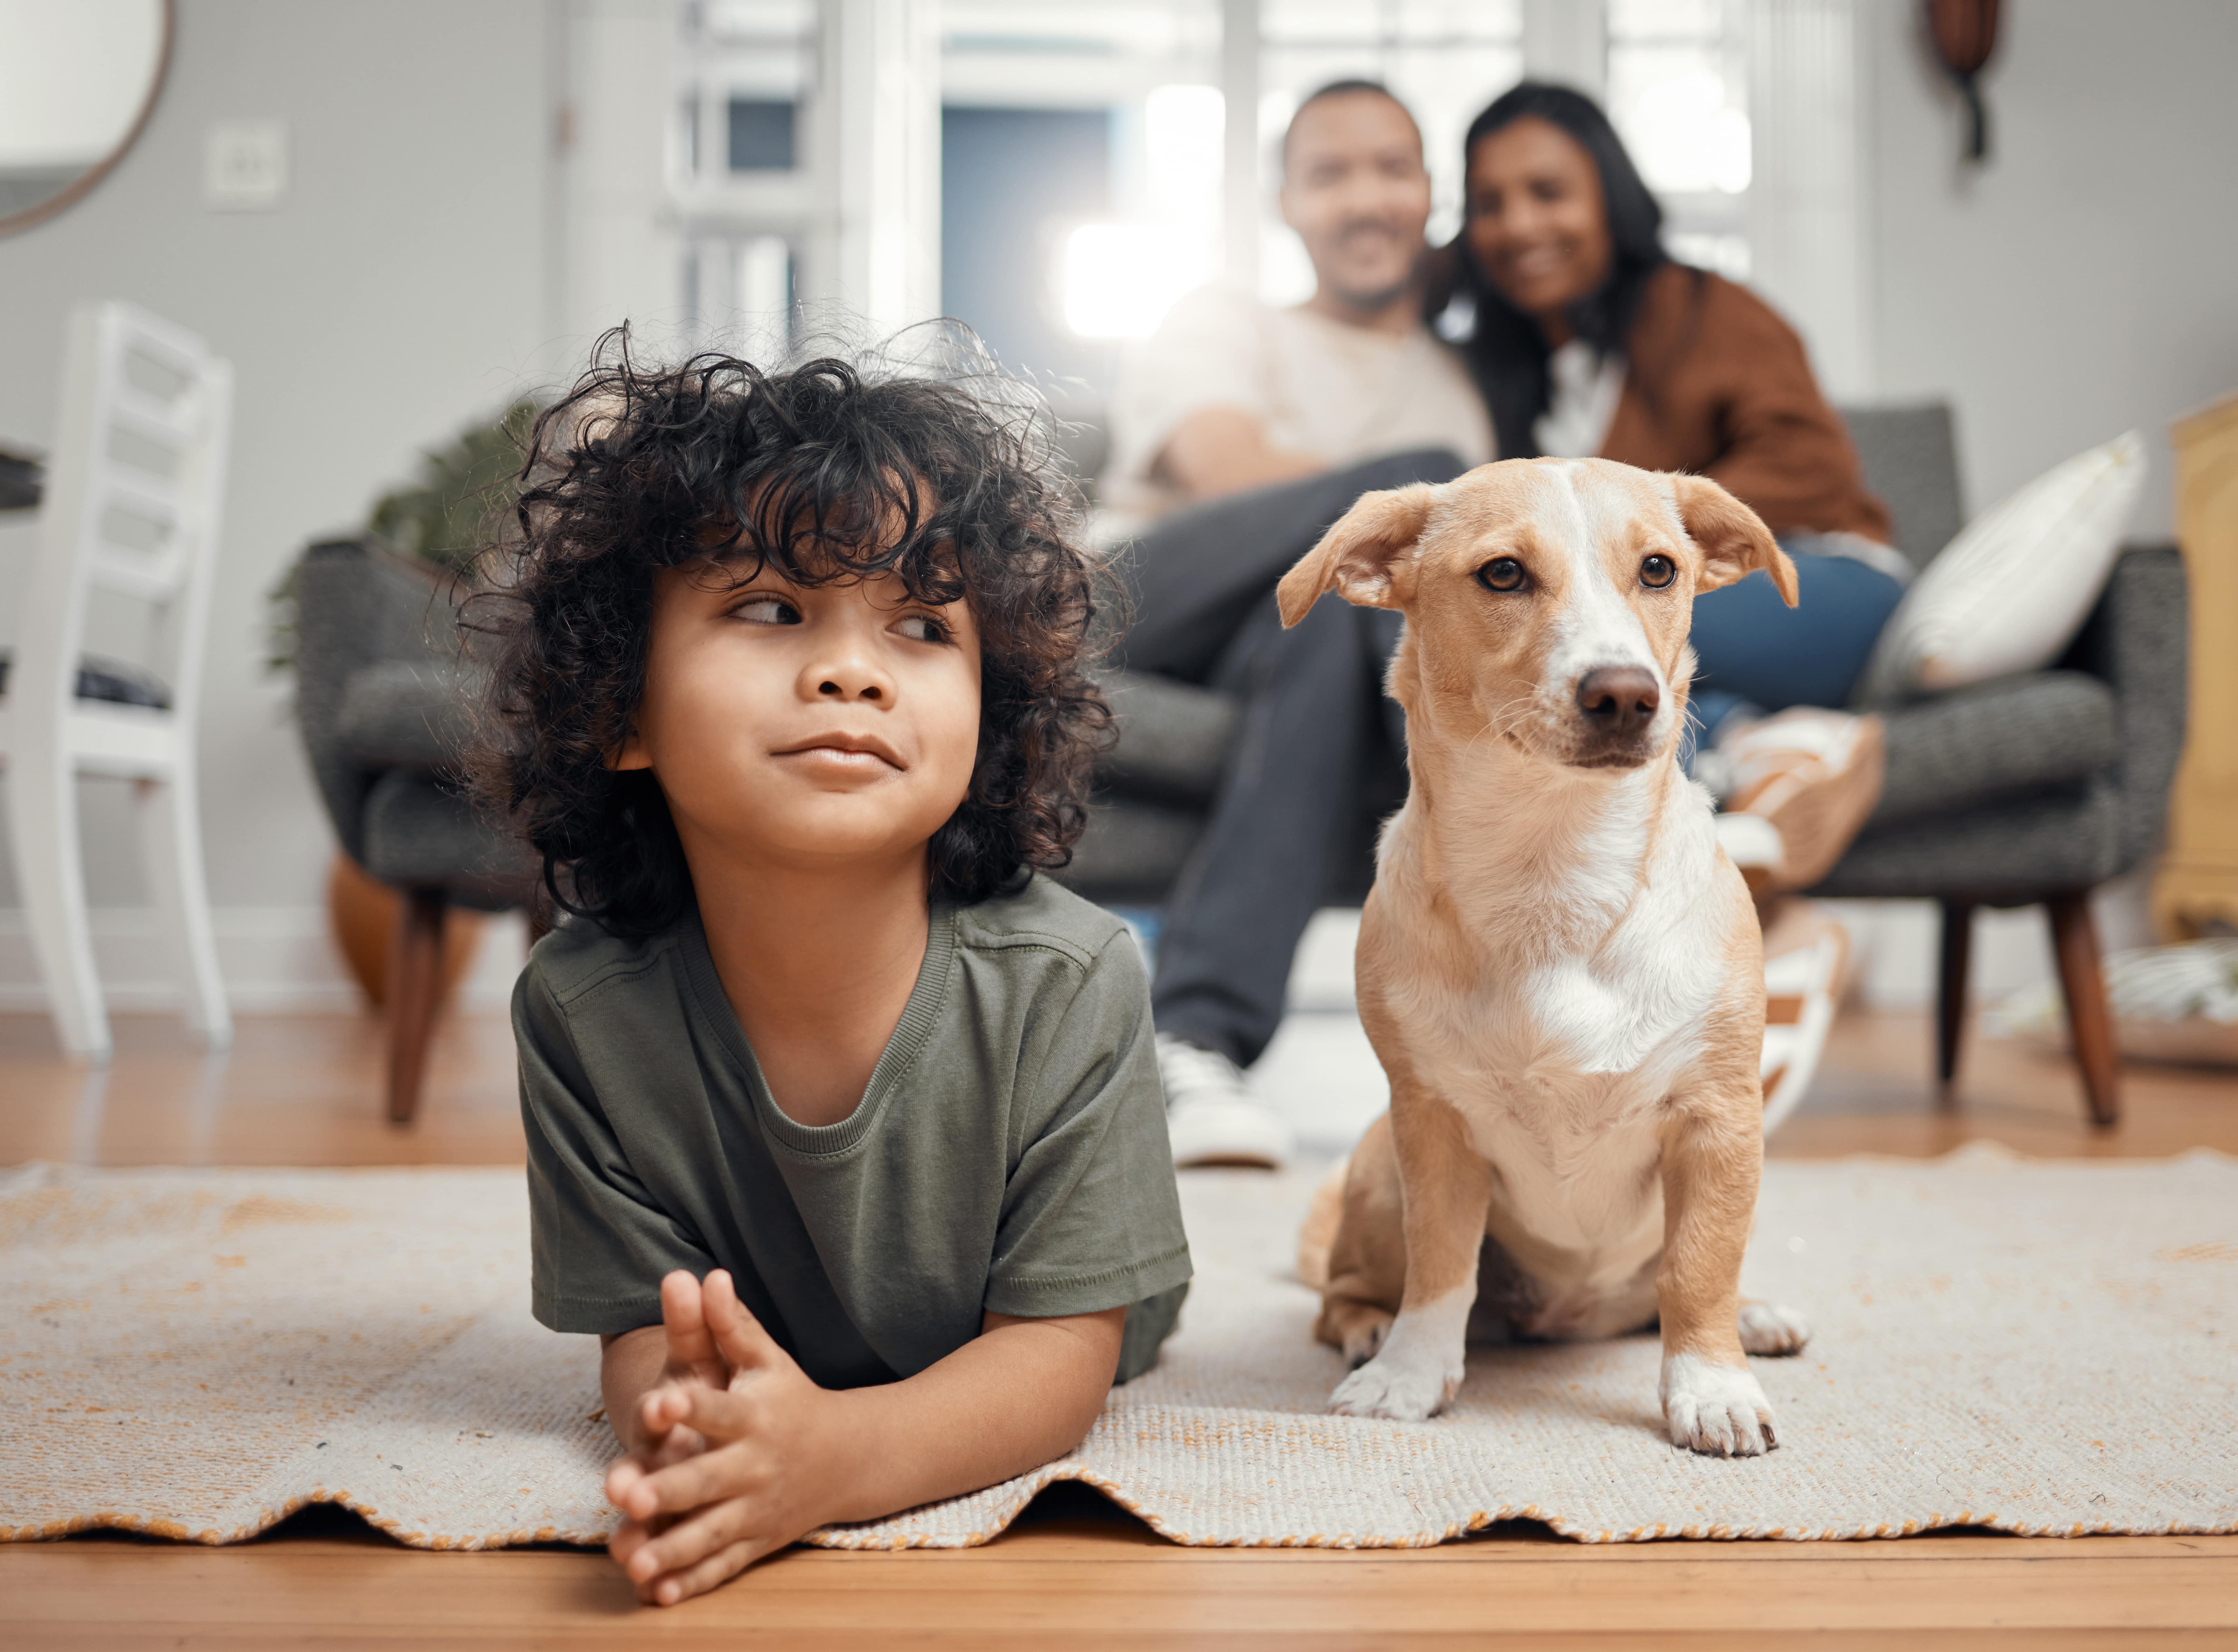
x,y
132,504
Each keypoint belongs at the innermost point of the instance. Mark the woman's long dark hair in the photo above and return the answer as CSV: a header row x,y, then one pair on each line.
x,y
1506,349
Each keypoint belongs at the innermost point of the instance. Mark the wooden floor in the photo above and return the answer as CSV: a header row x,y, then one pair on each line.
x,y
1075,1573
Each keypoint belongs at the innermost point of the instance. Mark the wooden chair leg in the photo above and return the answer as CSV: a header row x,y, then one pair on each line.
x,y
415,985
2082,983
1951,995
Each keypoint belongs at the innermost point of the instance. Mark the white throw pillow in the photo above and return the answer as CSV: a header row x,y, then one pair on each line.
x,y
2010,591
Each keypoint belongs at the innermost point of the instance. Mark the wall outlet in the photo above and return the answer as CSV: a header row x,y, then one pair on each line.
x,y
245,166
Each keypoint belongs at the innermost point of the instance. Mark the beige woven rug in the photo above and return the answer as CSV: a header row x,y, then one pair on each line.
x,y
2040,1347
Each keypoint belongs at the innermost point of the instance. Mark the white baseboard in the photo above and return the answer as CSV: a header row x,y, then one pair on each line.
x,y
276,959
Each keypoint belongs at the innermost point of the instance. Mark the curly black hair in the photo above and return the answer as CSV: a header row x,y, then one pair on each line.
x,y
808,470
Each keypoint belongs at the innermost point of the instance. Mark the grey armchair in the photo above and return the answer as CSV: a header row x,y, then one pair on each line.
x,y
2026,791
2030,791
376,646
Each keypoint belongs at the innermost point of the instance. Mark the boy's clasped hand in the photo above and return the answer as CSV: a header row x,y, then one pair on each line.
x,y
733,1455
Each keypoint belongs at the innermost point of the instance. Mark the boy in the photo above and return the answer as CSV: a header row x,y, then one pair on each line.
x,y
844,1132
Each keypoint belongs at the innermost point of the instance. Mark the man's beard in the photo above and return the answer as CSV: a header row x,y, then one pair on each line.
x,y
1370,302
1365,300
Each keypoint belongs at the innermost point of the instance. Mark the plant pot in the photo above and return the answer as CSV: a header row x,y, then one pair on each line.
x,y
361,911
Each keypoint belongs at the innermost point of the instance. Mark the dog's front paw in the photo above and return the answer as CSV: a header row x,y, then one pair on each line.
x,y
1395,1386
1767,1328
1717,1409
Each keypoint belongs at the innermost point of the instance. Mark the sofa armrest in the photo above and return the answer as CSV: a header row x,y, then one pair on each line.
x,y
403,714
1990,740
1174,737
2138,639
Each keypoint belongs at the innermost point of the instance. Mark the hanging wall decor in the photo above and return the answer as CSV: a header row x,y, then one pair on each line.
x,y
1965,34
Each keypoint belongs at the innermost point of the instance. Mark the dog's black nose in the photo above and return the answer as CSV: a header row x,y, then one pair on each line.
x,y
1618,701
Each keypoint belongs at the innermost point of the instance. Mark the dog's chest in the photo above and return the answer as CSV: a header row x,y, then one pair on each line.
x,y
1537,1021
1559,1060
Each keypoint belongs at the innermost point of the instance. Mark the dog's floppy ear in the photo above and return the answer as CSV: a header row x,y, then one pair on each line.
x,y
1733,539
1353,557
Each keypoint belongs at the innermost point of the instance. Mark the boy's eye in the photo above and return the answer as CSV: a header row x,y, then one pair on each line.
x,y
768,610
923,628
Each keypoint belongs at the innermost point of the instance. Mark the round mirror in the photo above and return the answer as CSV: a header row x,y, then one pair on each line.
x,y
78,79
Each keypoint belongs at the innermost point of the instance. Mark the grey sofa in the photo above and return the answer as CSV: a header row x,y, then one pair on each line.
x,y
376,646
2029,790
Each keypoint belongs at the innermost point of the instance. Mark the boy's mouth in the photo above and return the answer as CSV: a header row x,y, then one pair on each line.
x,y
845,750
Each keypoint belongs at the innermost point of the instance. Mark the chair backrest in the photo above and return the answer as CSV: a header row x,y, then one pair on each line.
x,y
133,497
355,607
1910,459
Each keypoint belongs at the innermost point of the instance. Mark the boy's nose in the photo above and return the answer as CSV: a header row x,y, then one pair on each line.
x,y
849,679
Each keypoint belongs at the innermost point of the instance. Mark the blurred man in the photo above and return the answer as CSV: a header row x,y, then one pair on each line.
x,y
1231,395
1267,424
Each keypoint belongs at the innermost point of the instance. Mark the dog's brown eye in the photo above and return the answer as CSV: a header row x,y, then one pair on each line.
x,y
1502,573
1657,572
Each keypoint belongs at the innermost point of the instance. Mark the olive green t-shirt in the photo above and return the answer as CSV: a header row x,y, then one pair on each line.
x,y
1009,1153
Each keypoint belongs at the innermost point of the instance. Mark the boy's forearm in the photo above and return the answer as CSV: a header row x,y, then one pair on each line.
x,y
630,1367
1020,1394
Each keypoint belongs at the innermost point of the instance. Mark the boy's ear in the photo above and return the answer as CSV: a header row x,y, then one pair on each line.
x,y
1355,556
1733,539
628,752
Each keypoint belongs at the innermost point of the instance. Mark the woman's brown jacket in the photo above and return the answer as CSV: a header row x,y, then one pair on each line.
x,y
1717,384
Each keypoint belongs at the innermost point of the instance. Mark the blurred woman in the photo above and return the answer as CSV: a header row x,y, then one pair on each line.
x,y
1588,340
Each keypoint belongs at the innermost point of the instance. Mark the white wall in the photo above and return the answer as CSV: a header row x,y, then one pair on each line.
x,y
2076,286
2080,283
400,290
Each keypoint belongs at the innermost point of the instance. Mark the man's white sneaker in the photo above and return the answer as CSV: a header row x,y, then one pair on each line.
x,y
1211,1115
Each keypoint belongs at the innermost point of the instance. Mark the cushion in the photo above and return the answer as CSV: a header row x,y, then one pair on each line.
x,y
114,681
1993,740
2010,591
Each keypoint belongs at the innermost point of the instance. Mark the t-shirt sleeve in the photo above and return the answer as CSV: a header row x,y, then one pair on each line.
x,y
1091,1218
598,1244
1206,354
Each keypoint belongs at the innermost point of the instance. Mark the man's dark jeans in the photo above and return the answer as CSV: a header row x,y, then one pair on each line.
x,y
1314,719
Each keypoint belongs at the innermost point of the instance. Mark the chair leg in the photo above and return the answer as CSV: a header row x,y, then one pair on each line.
x,y
50,874
2082,983
1951,994
416,984
171,852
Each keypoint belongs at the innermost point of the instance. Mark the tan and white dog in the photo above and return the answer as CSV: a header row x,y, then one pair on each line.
x,y
1560,970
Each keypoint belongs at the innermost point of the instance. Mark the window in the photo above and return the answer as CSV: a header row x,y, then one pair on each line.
x,y
1089,136
1678,92
761,134
745,70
